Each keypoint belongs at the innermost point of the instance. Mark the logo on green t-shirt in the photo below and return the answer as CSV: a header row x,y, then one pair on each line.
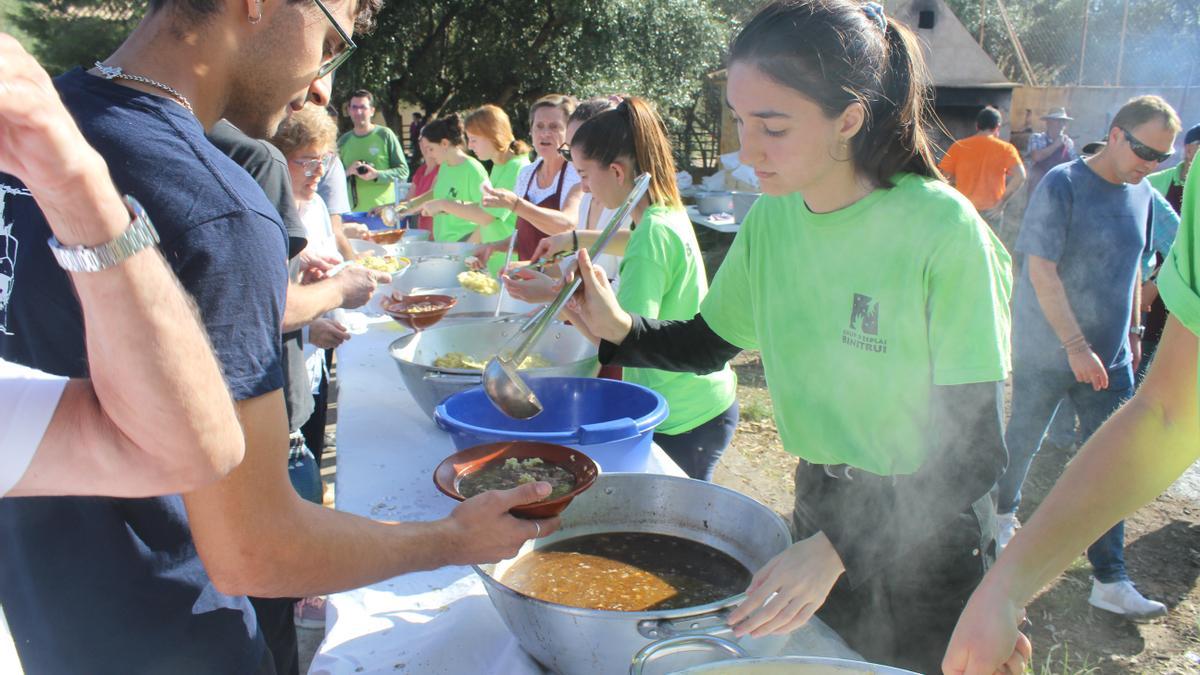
x,y
863,332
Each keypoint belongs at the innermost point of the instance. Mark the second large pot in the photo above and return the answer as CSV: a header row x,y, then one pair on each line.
x,y
570,354
576,641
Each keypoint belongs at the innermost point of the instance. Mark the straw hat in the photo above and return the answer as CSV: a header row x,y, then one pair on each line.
x,y
1058,114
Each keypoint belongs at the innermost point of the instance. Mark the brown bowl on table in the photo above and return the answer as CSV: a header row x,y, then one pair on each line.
x,y
449,475
387,236
418,311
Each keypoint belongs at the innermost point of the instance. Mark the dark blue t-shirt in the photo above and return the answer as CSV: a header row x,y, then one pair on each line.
x,y
97,585
1096,231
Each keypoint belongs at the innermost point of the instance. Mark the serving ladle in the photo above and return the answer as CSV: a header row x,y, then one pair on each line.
x,y
501,381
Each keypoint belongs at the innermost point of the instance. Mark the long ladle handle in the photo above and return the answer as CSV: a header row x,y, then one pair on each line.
x,y
534,329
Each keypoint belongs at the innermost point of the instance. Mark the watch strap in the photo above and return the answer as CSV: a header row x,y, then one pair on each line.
x,y
139,235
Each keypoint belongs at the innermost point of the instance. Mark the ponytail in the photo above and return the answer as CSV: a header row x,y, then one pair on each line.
x,y
633,132
448,128
840,52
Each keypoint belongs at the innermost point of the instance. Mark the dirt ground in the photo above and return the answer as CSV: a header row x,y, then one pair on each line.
x,y
1069,637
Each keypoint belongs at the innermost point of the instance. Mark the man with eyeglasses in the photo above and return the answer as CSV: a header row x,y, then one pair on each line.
x,y
372,155
1077,316
92,585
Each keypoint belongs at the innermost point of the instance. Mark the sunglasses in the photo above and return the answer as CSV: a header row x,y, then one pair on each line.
x,y
347,49
565,151
1144,151
312,164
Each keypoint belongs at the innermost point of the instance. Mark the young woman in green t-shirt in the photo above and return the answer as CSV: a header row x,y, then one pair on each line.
x,y
662,274
460,178
490,137
878,299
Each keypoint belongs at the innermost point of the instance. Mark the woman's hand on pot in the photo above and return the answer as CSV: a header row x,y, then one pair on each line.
x,y
481,530
498,198
786,592
595,303
528,285
987,639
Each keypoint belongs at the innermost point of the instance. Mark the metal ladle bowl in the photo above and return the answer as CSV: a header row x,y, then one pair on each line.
x,y
501,381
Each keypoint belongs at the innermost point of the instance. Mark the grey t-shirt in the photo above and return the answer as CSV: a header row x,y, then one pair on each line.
x,y
267,165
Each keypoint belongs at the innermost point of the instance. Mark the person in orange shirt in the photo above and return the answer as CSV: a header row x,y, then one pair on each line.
x,y
986,169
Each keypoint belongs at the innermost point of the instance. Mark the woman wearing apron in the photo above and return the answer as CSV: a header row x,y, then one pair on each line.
x,y
662,275
460,177
546,197
879,301
490,137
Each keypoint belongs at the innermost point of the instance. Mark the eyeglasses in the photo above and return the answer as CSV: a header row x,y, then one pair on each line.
x,y
565,151
312,164
1144,151
348,49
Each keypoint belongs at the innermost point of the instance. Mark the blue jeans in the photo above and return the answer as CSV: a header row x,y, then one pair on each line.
x,y
698,450
1036,396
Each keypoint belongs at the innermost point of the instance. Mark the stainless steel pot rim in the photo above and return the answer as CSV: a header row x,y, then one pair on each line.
x,y
696,610
516,318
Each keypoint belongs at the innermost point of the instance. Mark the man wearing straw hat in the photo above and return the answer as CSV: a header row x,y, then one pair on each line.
x,y
1050,148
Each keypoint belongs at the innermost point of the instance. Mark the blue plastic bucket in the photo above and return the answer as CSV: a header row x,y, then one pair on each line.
x,y
611,421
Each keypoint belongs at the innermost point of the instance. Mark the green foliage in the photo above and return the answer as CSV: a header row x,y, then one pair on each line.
x,y
457,54
68,33
1162,38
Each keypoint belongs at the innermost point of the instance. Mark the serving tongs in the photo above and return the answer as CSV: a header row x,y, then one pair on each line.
x,y
501,381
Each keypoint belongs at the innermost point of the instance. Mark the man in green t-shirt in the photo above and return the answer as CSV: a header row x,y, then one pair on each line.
x,y
372,155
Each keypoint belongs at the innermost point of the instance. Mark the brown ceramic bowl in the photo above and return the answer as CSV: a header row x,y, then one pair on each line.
x,y
415,312
456,466
387,236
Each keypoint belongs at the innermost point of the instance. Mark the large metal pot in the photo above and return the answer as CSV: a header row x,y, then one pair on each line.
x,y
473,306
414,354
430,272
576,641
421,249
739,662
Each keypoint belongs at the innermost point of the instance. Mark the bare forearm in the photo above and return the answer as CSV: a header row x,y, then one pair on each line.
x,y
546,220
156,403
340,238
469,211
307,302
615,246
1129,461
1053,298
1015,181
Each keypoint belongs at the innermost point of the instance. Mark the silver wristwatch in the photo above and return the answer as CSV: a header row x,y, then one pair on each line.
x,y
139,235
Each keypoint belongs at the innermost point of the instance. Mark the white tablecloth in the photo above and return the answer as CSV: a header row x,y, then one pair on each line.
x,y
438,622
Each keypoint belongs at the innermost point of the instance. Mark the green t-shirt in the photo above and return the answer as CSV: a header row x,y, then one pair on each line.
x,y
860,312
1163,180
662,277
462,183
504,176
1179,280
381,149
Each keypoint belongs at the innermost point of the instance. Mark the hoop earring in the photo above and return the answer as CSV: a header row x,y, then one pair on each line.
x,y
254,20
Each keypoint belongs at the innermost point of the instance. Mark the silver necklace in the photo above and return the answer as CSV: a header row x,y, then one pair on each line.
x,y
117,73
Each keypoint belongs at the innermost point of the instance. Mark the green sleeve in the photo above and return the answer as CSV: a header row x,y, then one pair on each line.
x,y
645,272
399,166
1161,180
1177,282
968,285
729,306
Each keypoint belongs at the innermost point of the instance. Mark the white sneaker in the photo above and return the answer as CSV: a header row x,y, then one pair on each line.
x,y
1122,598
1006,526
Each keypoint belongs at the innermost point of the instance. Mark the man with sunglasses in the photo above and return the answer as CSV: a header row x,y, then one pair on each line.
x,y
1077,316
372,155
92,585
